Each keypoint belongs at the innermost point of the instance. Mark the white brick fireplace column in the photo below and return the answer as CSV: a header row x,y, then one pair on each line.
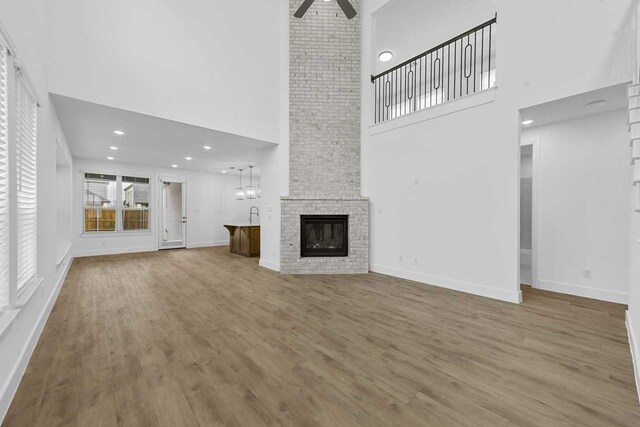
x,y
324,137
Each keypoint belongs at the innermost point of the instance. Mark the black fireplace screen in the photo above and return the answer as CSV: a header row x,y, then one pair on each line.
x,y
324,235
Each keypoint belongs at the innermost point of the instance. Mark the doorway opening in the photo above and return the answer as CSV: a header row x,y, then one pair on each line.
x,y
173,214
574,195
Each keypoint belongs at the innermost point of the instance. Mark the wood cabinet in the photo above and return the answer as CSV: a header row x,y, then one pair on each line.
x,y
244,240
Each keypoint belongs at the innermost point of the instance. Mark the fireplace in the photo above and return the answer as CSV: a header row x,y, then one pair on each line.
x,y
324,235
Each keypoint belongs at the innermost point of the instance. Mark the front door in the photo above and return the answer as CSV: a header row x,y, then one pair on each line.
x,y
173,215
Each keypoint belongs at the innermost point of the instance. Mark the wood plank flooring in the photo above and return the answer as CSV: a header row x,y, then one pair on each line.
x,y
204,338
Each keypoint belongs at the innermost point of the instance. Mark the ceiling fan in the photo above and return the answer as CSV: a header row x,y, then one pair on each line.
x,y
344,5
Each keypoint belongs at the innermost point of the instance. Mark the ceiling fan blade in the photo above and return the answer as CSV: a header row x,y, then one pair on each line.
x,y
303,8
347,8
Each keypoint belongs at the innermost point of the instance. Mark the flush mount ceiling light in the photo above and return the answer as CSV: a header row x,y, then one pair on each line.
x,y
527,122
385,56
206,147
240,189
109,158
113,148
118,132
346,7
174,166
188,158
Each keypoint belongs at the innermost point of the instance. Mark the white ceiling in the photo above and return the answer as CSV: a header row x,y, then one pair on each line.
x,y
577,106
149,140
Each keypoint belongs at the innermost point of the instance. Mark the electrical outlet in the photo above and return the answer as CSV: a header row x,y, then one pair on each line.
x,y
587,274
401,259
415,261
417,181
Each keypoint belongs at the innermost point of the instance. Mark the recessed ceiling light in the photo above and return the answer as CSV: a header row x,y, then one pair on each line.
x,y
188,158
206,147
118,132
109,158
527,122
224,171
385,56
174,166
113,148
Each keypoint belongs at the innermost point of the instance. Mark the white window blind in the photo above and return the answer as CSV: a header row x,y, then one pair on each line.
x,y
4,195
26,117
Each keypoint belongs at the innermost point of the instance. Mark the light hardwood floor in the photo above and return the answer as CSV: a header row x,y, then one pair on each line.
x,y
202,337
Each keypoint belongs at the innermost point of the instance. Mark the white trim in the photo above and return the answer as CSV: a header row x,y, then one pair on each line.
x,y
271,265
27,291
470,101
635,350
4,34
6,320
456,285
66,252
536,227
208,244
116,251
89,235
583,291
10,387
20,69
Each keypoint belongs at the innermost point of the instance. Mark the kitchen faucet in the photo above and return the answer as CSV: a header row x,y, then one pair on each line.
x,y
251,213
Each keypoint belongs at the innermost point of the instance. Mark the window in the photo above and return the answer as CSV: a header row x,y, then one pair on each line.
x,y
26,118
4,194
116,203
135,203
99,202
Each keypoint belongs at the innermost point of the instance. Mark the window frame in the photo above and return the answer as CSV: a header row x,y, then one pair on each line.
x,y
5,245
119,208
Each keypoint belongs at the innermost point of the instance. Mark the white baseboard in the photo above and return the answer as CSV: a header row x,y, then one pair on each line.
x,y
9,389
208,244
582,291
457,285
634,341
275,266
115,251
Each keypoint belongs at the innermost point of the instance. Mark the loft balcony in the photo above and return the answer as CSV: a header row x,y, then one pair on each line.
x,y
461,66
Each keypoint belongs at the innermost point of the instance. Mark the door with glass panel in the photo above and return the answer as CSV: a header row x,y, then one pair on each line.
x,y
173,217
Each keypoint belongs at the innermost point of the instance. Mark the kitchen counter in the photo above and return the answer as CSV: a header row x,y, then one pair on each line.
x,y
244,239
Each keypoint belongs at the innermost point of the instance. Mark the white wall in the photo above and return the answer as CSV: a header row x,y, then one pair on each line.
x,y
633,314
209,63
211,203
584,206
274,163
465,210
25,21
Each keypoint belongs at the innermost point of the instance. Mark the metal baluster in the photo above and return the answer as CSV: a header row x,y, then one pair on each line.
x,y
490,31
455,58
448,69
482,62
475,59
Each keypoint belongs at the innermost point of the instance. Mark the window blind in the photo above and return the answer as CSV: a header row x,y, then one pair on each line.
x,y
26,117
4,195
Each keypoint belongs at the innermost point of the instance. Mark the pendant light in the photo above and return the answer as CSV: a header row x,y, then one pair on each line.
x,y
240,189
251,192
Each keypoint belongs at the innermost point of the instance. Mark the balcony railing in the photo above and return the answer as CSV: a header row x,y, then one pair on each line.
x,y
456,68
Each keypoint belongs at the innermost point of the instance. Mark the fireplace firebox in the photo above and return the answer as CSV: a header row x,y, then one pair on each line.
x,y
324,235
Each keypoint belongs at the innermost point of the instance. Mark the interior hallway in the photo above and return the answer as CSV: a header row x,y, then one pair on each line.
x,y
133,342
